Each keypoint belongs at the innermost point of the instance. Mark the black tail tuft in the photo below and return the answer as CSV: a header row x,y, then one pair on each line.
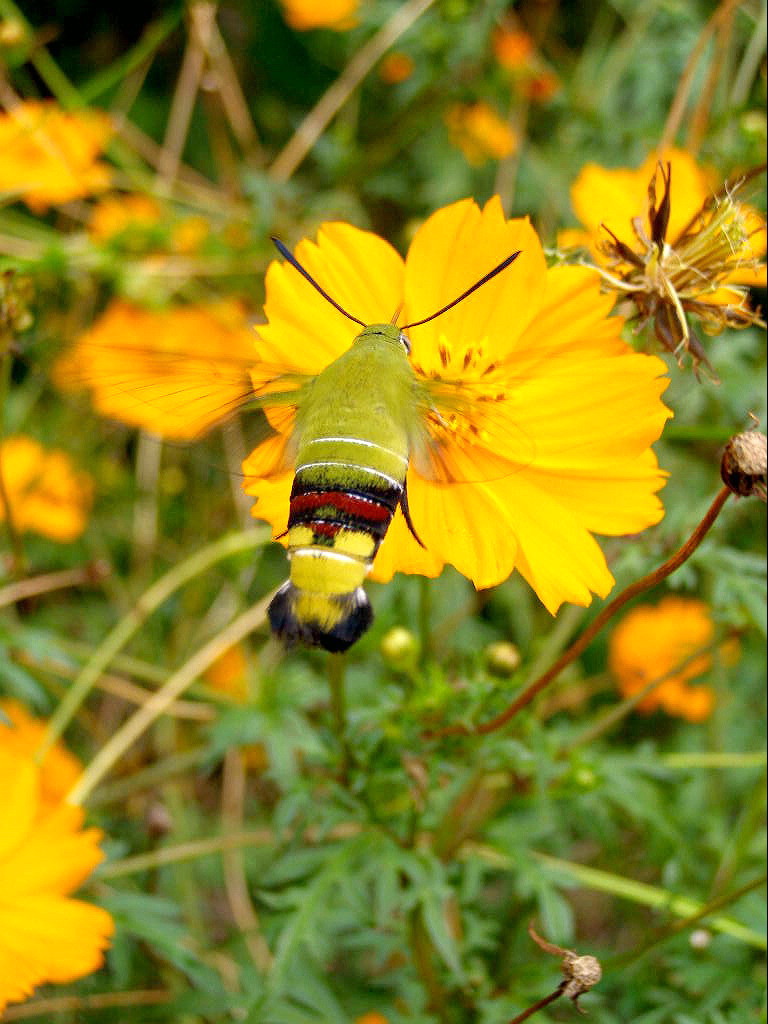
x,y
344,619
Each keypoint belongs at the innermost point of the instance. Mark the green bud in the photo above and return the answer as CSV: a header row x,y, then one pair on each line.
x,y
400,648
502,659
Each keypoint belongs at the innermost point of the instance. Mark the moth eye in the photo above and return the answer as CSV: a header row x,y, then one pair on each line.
x,y
405,342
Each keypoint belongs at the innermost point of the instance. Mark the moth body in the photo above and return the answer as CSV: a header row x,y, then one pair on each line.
x,y
353,445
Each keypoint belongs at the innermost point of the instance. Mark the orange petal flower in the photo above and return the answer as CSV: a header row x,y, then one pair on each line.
x,y
50,156
46,493
58,770
576,408
396,68
307,14
114,214
651,641
480,133
45,855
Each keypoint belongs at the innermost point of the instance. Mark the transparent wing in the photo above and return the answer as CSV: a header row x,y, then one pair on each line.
x,y
467,432
181,395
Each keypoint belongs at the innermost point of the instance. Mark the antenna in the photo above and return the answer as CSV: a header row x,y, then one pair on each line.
x,y
288,255
284,251
478,284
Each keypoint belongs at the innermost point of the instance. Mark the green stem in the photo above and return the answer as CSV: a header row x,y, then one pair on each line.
x,y
423,961
121,633
19,560
425,617
336,663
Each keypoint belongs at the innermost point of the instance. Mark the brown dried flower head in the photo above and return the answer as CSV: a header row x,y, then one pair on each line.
x,y
694,273
580,972
743,465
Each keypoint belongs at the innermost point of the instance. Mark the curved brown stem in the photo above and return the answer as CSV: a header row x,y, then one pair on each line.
x,y
586,638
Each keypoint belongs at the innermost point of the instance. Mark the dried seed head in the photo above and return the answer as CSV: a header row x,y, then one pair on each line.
x,y
743,465
580,973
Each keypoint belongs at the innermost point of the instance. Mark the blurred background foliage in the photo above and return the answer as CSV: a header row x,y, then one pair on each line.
x,y
384,872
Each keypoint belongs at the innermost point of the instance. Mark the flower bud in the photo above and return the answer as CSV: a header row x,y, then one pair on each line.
x,y
400,648
502,659
743,465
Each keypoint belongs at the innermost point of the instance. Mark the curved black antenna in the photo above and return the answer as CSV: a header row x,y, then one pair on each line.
x,y
478,284
297,266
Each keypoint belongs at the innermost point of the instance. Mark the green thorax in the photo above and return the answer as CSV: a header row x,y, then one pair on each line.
x,y
368,395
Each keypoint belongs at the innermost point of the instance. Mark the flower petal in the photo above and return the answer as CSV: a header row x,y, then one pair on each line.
x,y
453,249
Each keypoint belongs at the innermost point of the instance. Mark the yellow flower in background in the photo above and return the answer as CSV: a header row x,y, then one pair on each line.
x,y
667,241
58,770
114,214
579,408
45,855
159,369
46,493
652,640
307,14
49,156
480,133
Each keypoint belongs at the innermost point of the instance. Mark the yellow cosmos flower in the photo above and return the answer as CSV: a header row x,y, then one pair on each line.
x,y
46,493
45,855
651,641
577,408
158,369
49,156
58,770
480,133
668,241
307,14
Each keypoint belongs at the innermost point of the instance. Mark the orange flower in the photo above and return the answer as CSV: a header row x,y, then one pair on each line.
x,y
307,14
651,641
480,133
45,935
229,673
396,68
58,770
541,87
513,48
158,369
114,214
49,155
46,493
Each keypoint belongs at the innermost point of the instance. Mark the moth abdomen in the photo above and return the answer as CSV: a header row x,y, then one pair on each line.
x,y
331,621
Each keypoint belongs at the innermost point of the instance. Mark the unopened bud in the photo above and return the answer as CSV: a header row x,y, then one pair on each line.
x,y
400,648
743,465
502,659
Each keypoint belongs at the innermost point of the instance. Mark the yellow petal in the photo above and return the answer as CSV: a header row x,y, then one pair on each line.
x,y
48,939
21,791
453,249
